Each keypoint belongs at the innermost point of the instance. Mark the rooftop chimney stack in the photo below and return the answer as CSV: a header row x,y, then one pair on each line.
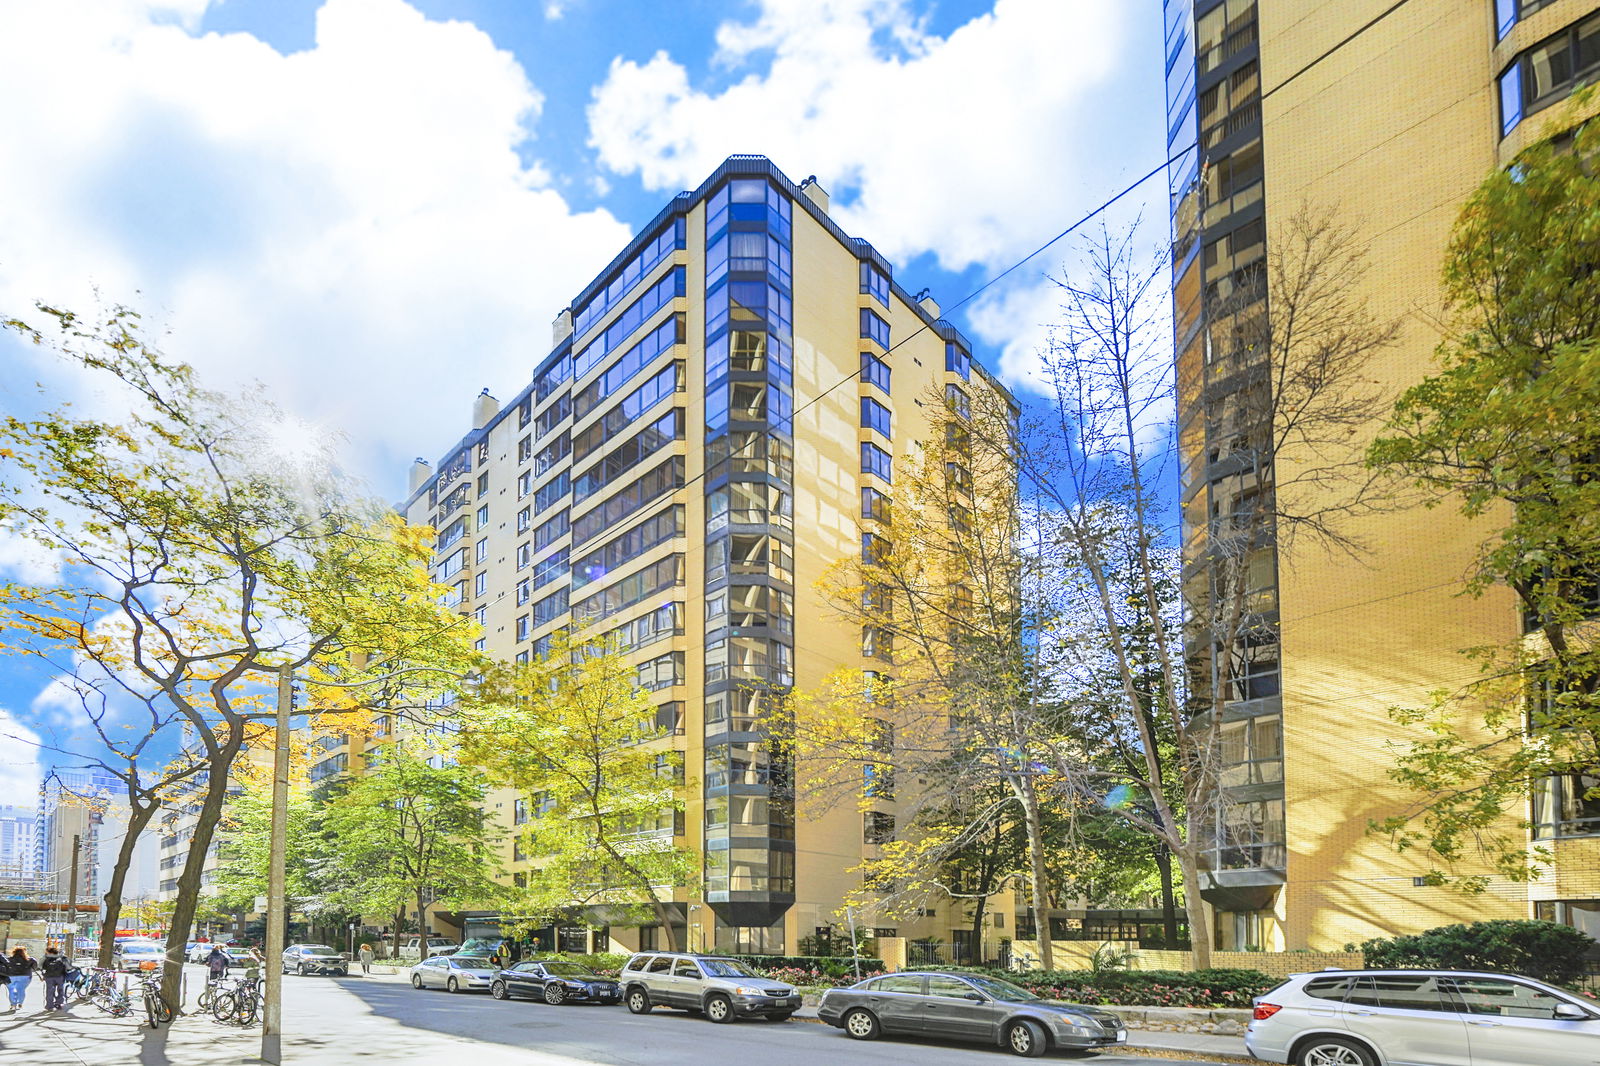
x,y
484,408
421,472
815,193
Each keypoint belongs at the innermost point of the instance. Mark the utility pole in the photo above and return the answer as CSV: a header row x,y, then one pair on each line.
x,y
72,904
272,1023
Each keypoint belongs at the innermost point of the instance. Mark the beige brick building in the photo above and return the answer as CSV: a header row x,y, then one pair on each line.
x,y
1389,126
715,424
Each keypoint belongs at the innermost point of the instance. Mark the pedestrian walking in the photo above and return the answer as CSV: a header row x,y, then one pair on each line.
x,y
366,958
54,968
20,967
217,962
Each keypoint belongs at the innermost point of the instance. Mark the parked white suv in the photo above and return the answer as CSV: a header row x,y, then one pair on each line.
x,y
724,989
417,948
1422,1017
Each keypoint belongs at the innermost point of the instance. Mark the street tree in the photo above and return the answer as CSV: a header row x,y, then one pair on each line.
x,y
1140,685
410,828
574,734
941,593
207,542
1505,433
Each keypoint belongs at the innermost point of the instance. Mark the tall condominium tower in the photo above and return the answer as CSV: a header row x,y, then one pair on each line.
x,y
1384,117
716,424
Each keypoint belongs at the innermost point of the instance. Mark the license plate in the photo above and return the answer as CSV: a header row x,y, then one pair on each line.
x,y
1122,1034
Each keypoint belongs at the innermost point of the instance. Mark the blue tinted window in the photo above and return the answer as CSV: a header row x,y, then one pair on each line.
x,y
957,361
875,416
1510,99
874,460
874,283
659,296
634,360
874,371
665,243
874,328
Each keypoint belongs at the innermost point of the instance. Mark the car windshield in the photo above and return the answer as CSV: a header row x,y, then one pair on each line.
x,y
568,969
726,968
1002,990
318,949
140,949
238,953
470,962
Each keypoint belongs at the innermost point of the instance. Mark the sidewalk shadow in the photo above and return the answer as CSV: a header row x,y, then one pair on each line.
x,y
153,1048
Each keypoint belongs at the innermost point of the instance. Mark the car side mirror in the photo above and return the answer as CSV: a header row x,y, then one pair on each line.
x,y
974,997
1571,1012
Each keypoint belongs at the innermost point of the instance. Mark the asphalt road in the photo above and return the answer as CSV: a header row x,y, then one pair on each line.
x,y
383,1021
614,1037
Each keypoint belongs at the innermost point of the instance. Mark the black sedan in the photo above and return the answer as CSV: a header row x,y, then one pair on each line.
x,y
555,982
967,1007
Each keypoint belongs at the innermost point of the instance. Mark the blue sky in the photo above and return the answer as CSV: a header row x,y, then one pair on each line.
x,y
376,207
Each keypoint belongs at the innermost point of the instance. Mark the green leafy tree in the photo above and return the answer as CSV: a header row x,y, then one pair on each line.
x,y
574,732
410,829
1505,433
208,542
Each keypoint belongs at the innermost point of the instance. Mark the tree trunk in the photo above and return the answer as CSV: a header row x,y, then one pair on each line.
x,y
664,916
977,931
1038,878
205,827
399,921
1169,902
138,820
422,923
1195,907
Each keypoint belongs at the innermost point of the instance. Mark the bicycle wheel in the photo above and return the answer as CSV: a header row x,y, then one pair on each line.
x,y
244,1009
222,1006
202,1002
157,1008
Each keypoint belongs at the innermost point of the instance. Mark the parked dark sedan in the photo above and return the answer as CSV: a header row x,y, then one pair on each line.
x,y
555,982
968,1007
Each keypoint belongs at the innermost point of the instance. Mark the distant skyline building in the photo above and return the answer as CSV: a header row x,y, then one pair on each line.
x,y
17,853
1387,118
74,801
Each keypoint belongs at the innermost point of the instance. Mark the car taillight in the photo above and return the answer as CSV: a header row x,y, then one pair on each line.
x,y
1266,1010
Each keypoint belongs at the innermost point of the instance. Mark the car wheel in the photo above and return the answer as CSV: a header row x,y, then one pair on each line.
x,y
300,970
861,1024
1026,1039
498,990
555,995
1333,1051
416,981
451,986
719,1009
638,1001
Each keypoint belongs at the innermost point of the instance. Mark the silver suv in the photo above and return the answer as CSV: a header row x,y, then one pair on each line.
x,y
724,989
1422,1017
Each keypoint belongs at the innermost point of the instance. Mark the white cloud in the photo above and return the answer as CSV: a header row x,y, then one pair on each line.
x,y
357,225
20,771
963,145
27,561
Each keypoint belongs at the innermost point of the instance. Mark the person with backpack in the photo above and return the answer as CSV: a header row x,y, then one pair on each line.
x,y
19,966
55,969
217,962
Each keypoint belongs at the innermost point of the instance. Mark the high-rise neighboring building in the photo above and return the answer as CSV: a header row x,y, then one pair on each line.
x,y
16,840
715,425
74,802
1386,117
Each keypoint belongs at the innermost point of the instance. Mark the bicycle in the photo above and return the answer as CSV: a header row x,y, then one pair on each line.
x,y
241,1004
208,996
156,1008
101,990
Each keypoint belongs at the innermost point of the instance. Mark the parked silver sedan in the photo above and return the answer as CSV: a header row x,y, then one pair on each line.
x,y
968,1007
454,973
1427,1017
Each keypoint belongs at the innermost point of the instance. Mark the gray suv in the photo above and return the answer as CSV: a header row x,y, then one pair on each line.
x,y
724,989
1422,1018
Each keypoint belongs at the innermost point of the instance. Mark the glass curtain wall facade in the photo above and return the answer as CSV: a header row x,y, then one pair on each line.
x,y
749,559
1230,560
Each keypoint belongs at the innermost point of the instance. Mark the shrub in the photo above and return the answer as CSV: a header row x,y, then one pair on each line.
x,y
1544,951
1145,988
828,964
